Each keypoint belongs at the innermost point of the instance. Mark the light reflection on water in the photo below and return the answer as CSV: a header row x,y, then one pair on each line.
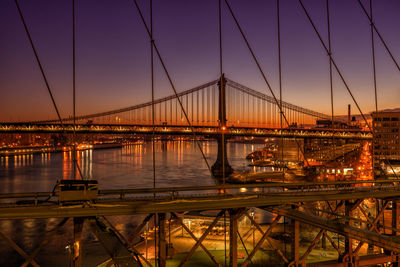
x,y
178,163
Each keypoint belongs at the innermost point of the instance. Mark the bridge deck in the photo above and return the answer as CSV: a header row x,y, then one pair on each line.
x,y
210,130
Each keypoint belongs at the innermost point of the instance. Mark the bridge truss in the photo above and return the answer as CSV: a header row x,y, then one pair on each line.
x,y
347,219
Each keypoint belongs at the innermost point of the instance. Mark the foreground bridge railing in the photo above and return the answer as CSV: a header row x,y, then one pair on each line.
x,y
229,190
340,209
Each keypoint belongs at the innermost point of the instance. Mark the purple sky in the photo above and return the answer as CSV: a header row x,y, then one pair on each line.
x,y
113,67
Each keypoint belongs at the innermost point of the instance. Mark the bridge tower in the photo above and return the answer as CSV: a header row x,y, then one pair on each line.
x,y
221,167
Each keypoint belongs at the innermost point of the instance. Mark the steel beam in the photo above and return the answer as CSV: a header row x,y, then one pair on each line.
x,y
139,228
322,233
377,218
233,229
261,241
277,250
395,217
295,246
395,224
348,256
196,240
112,243
367,260
44,242
162,244
18,248
190,254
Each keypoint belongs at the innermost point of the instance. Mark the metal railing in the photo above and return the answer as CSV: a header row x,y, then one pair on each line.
x,y
264,189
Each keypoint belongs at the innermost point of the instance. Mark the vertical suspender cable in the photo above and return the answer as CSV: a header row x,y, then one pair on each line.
x,y
74,162
376,96
330,77
152,92
153,128
222,110
280,96
374,70
331,91
280,82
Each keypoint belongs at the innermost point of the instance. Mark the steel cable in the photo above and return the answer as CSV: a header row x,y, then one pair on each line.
x,y
173,88
263,75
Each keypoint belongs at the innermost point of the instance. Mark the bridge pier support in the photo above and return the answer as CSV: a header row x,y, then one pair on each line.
x,y
221,167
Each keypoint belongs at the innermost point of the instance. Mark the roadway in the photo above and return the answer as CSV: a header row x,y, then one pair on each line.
x,y
210,130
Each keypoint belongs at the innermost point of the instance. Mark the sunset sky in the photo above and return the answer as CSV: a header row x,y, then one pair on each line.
x,y
113,53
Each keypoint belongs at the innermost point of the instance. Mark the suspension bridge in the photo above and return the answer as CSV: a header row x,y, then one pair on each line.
x,y
353,210
248,113
245,107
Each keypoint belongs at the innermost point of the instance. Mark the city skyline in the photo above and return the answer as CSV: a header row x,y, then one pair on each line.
x,y
114,53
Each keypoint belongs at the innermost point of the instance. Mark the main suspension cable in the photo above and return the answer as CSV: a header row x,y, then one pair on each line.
x,y
173,88
38,62
263,75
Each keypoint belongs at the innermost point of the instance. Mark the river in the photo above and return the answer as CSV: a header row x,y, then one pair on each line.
x,y
178,163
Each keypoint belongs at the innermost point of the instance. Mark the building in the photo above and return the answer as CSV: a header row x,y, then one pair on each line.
x,y
386,142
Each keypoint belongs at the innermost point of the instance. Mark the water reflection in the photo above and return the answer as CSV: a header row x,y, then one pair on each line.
x,y
177,162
